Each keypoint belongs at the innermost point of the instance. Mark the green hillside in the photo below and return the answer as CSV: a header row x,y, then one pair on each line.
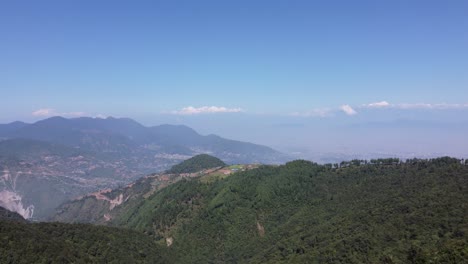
x,y
89,209
197,163
101,207
301,212
74,243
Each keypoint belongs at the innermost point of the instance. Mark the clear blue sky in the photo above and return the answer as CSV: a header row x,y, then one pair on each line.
x,y
129,58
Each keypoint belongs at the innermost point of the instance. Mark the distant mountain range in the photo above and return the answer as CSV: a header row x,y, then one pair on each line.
x,y
120,135
47,162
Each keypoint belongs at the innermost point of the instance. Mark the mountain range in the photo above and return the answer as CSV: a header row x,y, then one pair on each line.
x,y
47,162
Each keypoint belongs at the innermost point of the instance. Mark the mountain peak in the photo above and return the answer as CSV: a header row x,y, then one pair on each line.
x,y
54,118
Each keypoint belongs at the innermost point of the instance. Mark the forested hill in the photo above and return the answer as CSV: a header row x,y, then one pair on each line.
x,y
379,212
23,242
197,163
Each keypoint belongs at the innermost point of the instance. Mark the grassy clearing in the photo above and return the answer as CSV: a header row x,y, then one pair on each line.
x,y
212,177
237,166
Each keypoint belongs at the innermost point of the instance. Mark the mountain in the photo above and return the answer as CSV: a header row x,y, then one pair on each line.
x,y
102,206
197,163
24,242
48,162
87,133
379,211
8,129
123,135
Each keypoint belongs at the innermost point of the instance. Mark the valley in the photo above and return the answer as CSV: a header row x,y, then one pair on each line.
x,y
103,206
53,160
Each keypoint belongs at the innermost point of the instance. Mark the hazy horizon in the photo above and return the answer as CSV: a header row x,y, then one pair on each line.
x,y
307,78
334,140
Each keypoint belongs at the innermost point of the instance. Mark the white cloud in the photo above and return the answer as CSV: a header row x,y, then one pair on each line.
x,y
44,112
347,109
381,104
190,110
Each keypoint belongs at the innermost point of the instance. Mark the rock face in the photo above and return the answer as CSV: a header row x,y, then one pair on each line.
x,y
10,199
13,202
261,229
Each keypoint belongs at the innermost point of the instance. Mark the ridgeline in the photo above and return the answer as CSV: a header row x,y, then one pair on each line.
x,y
382,211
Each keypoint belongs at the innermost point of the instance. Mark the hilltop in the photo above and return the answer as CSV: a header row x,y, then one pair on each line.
x,y
197,163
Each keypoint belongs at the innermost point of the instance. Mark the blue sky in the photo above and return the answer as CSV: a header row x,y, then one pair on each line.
x,y
258,60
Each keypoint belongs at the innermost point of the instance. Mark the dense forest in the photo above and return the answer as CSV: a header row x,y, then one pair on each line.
x,y
384,211
197,163
379,211
23,242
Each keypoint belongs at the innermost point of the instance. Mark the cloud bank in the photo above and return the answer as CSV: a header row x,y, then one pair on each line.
x,y
351,110
190,110
442,106
438,106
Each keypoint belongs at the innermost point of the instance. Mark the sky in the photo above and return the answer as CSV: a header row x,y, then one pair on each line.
x,y
272,72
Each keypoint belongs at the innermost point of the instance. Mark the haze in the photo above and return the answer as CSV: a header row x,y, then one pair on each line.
x,y
319,80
